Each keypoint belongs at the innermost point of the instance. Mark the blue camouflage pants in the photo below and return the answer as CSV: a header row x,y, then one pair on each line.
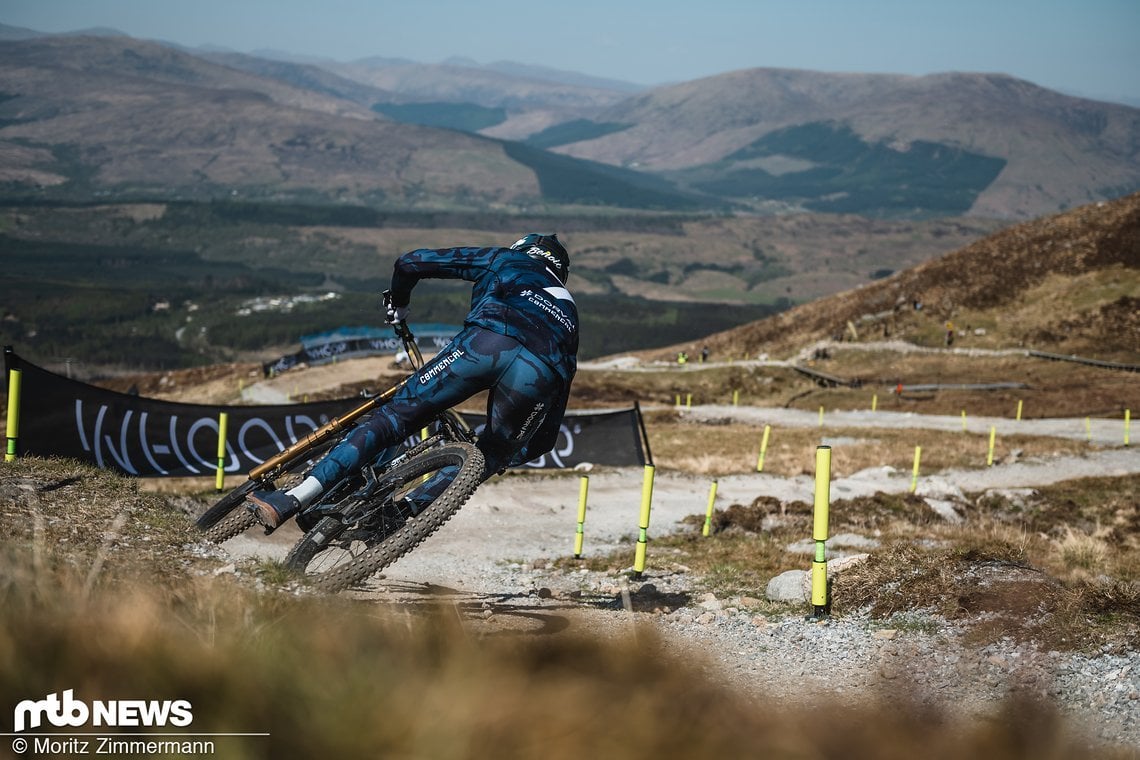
x,y
521,387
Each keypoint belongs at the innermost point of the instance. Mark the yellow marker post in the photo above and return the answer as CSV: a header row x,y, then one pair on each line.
x,y
220,477
13,432
735,397
583,490
1127,424
821,416
688,401
643,523
763,448
709,511
678,403
914,475
874,402
963,420
1088,429
819,532
990,455
1019,410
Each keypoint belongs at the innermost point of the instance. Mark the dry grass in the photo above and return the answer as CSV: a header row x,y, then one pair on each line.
x,y
1055,389
332,677
332,680
667,385
734,448
1082,552
994,586
1061,568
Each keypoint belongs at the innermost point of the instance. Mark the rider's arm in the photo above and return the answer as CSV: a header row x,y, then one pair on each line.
x,y
443,263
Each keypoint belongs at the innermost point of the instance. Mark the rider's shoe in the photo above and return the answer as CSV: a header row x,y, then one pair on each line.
x,y
272,508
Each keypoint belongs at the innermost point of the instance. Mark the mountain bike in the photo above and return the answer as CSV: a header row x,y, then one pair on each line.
x,y
371,517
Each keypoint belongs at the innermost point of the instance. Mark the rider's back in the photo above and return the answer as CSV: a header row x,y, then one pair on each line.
x,y
513,294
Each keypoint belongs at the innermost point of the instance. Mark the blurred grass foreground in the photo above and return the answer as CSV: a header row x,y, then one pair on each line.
x,y
106,591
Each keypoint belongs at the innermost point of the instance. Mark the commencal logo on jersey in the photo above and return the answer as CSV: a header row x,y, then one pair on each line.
x,y
432,372
551,308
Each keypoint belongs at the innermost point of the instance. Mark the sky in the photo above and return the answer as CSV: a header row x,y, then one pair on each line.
x,y
1082,47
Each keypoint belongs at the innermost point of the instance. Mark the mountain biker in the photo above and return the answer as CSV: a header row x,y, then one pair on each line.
x,y
519,340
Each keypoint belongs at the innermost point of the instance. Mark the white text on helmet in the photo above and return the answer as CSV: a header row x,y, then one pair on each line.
x,y
536,251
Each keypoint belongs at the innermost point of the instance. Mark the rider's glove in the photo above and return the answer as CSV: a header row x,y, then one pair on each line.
x,y
395,314
392,313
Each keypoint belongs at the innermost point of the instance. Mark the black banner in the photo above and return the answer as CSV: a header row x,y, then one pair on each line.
x,y
154,438
597,437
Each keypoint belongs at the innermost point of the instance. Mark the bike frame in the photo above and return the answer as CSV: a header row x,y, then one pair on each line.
x,y
271,467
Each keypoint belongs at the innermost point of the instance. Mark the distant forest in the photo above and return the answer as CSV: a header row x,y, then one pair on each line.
x,y
142,306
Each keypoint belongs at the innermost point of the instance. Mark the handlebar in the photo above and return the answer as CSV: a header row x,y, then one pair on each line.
x,y
404,333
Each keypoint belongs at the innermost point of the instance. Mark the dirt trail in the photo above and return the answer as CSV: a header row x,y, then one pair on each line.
x,y
1100,431
530,517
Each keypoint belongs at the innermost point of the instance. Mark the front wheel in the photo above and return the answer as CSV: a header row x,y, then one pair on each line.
x,y
225,506
336,554
230,516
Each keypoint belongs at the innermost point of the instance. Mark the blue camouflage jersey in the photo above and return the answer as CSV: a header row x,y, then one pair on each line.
x,y
520,341
513,295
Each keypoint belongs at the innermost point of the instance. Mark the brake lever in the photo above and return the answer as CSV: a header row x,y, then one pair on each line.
x,y
404,333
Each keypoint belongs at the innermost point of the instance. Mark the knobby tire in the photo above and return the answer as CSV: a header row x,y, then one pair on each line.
x,y
238,521
225,506
229,517
409,535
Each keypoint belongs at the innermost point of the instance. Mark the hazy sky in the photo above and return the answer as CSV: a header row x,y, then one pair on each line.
x,y
1085,47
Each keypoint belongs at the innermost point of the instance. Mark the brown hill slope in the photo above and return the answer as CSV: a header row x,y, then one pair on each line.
x,y
1065,283
452,83
1060,151
116,114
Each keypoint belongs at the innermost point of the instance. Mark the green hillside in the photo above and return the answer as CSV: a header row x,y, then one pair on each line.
x,y
574,181
572,132
844,174
466,117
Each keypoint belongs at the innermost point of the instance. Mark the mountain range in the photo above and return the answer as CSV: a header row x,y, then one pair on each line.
x,y
106,115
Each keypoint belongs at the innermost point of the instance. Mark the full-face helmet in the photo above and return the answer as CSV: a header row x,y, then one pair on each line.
x,y
547,249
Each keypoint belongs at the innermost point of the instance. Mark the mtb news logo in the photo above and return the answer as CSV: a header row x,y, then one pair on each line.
x,y
70,712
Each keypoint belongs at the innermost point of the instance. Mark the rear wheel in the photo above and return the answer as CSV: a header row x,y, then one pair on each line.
x,y
336,554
